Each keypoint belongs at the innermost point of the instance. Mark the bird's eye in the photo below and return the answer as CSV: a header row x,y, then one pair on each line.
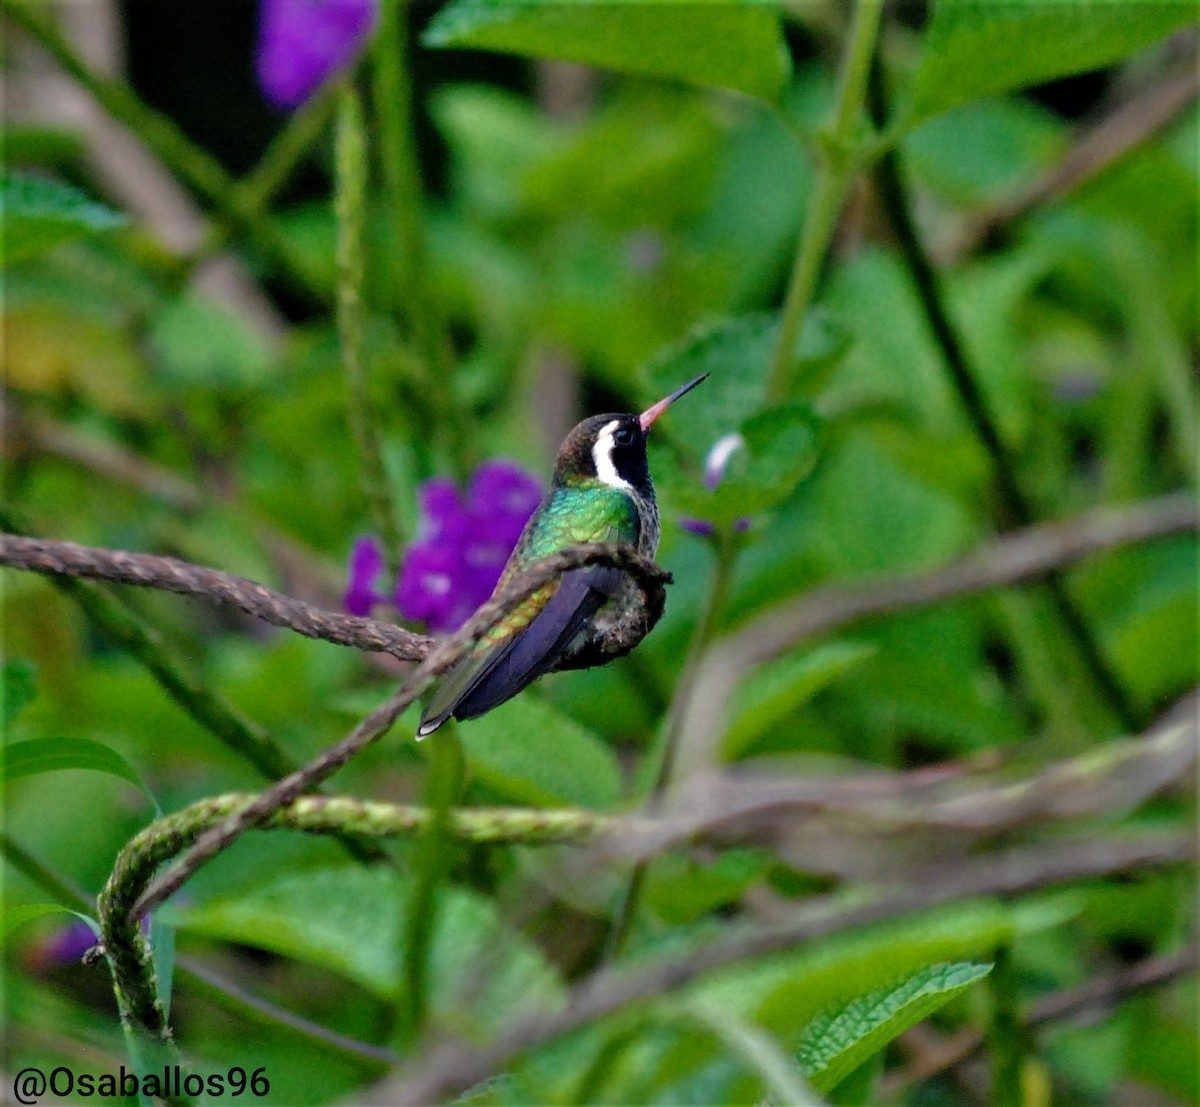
x,y
624,437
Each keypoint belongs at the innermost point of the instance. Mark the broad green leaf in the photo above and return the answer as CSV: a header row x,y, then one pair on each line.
x,y
529,752
47,755
18,686
39,214
775,690
348,920
837,1041
974,49
735,45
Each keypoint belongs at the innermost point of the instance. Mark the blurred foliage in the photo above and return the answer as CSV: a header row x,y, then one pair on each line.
x,y
591,257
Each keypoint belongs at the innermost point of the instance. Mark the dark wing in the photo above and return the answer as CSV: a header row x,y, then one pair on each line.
x,y
483,682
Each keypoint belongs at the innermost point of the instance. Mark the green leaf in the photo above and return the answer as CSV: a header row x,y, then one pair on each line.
x,y
40,214
779,443
348,920
839,1040
973,49
775,690
47,755
680,889
15,917
18,687
528,752
786,993
735,45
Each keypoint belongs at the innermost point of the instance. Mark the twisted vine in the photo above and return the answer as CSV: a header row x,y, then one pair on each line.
x,y
125,945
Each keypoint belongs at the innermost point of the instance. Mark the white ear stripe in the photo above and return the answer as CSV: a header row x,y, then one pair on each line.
x,y
606,471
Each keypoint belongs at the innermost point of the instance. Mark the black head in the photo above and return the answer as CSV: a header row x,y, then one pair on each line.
x,y
609,448
612,448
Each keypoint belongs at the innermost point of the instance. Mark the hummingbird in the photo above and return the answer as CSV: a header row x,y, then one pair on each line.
x,y
601,492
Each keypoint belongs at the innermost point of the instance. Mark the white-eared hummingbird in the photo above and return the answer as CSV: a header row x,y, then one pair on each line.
x,y
601,492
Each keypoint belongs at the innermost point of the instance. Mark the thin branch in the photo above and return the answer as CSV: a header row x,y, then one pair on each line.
x,y
876,821
67,559
455,1066
1104,143
1019,556
27,430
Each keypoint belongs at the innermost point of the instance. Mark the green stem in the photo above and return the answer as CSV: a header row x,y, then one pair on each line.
x,y
725,549
163,138
447,771
393,100
351,159
1004,1032
839,160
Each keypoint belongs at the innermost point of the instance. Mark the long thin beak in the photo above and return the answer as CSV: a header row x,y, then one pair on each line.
x,y
648,416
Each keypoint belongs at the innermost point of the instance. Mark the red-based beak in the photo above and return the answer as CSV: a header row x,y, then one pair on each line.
x,y
648,416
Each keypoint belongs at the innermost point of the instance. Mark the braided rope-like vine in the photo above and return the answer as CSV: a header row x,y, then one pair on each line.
x,y
125,945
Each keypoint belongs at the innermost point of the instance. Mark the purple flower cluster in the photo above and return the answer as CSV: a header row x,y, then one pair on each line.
x,y
301,43
464,545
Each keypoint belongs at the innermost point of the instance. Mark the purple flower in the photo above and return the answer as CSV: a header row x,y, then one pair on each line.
x,y
301,43
67,945
464,545
715,465
366,563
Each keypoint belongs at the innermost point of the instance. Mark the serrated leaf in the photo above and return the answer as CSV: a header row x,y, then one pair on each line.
x,y
839,1040
734,45
775,690
18,687
787,992
528,752
47,755
972,49
39,214
348,920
